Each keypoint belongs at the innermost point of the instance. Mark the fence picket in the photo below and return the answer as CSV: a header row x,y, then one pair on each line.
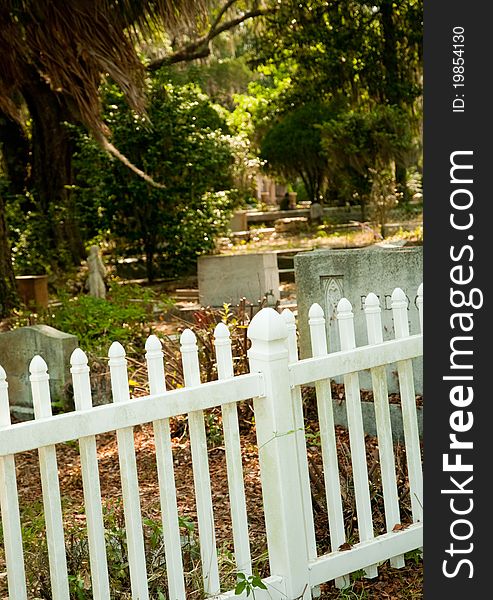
x,y
166,475
50,485
9,506
231,432
128,473
384,426
299,423
408,404
345,319
328,439
281,485
200,463
90,481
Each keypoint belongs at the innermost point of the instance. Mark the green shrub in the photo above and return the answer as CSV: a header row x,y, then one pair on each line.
x,y
184,146
98,322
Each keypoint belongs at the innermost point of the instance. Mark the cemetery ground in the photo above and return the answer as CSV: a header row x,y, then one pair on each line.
x,y
391,583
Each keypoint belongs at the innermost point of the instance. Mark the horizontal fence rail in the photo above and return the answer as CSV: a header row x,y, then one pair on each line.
x,y
275,384
350,361
109,417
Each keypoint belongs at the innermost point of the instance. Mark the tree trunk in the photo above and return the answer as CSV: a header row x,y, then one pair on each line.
x,y
392,82
52,170
8,289
150,249
15,154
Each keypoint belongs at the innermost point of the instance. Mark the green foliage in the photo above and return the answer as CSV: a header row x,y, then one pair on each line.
x,y
98,322
221,78
28,235
249,583
292,147
362,59
333,149
362,51
416,556
359,140
184,146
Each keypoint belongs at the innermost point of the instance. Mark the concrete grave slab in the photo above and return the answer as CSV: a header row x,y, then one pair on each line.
x,y
18,347
228,278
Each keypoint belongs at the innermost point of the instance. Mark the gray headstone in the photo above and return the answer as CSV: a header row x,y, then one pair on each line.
x,y
325,276
239,221
18,347
227,278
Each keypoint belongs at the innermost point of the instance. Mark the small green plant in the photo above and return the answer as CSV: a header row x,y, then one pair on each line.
x,y
249,583
350,594
357,575
98,322
414,555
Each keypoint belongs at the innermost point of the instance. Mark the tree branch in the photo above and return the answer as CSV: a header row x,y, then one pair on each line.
x,y
200,48
109,147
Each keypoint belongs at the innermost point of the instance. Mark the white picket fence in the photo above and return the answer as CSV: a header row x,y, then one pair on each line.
x,y
274,384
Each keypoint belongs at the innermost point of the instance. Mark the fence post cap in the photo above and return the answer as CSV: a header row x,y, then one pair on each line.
x,y
288,316
372,301
316,311
420,290
78,358
344,308
3,374
267,326
221,331
398,296
116,350
188,338
153,343
38,365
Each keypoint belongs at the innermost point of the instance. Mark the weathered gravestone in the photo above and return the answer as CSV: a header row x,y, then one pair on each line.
x,y
239,221
326,276
229,278
18,347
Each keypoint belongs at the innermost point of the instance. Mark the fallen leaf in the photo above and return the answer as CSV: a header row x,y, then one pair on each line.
x,y
345,546
400,526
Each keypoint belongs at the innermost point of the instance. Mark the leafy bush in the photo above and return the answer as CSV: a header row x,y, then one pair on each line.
x,y
96,322
184,146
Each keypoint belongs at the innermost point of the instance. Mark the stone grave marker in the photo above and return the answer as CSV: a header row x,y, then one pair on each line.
x,y
18,347
228,278
325,276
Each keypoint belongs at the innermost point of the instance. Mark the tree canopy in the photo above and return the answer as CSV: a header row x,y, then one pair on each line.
x,y
325,92
361,58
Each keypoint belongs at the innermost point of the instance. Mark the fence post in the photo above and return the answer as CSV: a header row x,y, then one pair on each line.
x,y
281,486
383,422
200,466
9,505
328,441
297,408
345,320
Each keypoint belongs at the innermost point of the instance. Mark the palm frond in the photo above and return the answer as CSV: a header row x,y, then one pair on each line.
x,y
72,45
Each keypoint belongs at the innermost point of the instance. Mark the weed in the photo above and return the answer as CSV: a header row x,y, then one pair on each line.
x,y
249,583
415,556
